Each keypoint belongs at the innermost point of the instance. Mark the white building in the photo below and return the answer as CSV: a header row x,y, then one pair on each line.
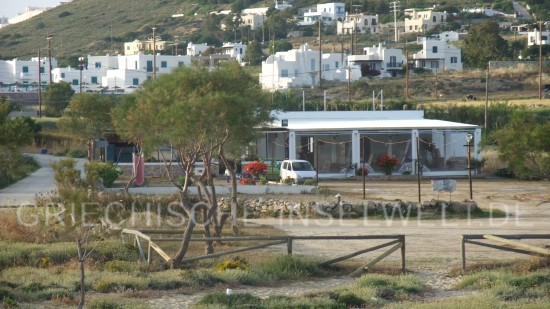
x,y
360,23
282,4
437,54
22,75
327,12
255,11
377,61
347,140
196,49
234,50
30,12
300,68
423,21
534,37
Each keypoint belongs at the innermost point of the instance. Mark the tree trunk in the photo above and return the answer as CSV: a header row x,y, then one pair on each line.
x,y
233,196
82,273
90,146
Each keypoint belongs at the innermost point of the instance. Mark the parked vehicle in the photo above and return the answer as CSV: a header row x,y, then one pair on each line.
x,y
297,170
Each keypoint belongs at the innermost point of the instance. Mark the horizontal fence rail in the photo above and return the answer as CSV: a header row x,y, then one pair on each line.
x,y
397,242
508,243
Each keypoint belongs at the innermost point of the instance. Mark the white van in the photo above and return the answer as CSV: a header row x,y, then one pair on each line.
x,y
297,170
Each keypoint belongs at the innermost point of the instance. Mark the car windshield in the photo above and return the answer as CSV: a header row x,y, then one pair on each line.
x,y
301,166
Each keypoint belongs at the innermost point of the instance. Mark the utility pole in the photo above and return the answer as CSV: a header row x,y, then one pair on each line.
x,y
487,94
394,3
406,72
49,38
39,86
320,57
540,60
154,52
436,96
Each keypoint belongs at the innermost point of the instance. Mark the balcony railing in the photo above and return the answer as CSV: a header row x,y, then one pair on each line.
x,y
394,65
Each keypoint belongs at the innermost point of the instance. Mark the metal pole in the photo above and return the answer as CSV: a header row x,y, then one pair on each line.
x,y
320,57
325,100
418,170
80,61
303,100
349,84
469,165
540,60
317,161
39,86
363,168
154,52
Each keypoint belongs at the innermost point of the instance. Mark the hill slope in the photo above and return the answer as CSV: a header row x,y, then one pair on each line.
x,y
84,27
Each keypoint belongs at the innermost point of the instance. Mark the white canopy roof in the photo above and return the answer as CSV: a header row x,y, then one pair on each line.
x,y
361,120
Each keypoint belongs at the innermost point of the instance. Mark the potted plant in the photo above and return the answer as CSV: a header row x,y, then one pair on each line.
x,y
255,169
362,171
387,163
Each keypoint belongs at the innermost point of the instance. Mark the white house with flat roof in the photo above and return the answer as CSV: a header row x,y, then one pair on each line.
x,y
337,143
22,75
437,54
423,20
254,21
534,37
358,23
327,12
234,50
377,61
196,49
300,68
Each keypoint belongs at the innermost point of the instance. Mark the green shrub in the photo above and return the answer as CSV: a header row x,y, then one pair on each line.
x,y
310,182
77,153
122,266
108,172
289,267
115,302
236,263
239,300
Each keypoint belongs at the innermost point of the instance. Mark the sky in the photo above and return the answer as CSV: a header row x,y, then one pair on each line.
x,y
10,8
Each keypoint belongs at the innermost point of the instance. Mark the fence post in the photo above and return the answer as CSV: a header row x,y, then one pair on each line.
x,y
289,245
403,265
149,253
463,251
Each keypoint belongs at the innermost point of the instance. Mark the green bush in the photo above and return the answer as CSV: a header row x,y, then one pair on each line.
x,y
77,153
115,302
289,267
236,263
240,300
310,182
108,172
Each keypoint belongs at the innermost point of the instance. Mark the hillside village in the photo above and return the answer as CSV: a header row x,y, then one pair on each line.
x,y
301,66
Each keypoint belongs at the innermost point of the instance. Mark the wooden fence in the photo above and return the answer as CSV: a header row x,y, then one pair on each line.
x,y
506,243
395,241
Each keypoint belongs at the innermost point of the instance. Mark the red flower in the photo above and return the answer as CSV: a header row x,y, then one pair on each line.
x,y
386,162
256,168
247,181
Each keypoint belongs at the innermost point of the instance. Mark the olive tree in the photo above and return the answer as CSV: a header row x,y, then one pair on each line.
x,y
195,112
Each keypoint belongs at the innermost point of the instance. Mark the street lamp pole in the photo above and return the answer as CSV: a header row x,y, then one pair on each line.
x,y
49,38
469,145
81,66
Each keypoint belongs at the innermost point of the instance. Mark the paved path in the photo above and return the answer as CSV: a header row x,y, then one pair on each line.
x,y
518,7
41,181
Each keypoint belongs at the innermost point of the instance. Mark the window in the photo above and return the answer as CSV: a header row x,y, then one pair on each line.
x,y
127,47
284,73
62,75
434,19
326,67
454,59
295,73
163,64
423,64
94,80
434,49
75,82
180,64
25,69
336,64
312,63
411,28
373,22
135,82
435,64
98,65
149,66
42,70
